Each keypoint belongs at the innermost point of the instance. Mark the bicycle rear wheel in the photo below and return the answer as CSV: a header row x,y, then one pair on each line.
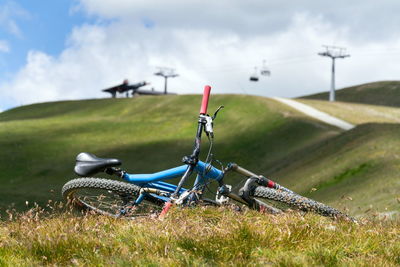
x,y
284,200
109,197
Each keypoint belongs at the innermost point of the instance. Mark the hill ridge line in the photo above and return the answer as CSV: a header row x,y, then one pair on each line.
x,y
315,113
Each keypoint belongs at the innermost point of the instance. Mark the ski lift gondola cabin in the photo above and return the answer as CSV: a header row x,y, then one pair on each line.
x,y
264,69
254,76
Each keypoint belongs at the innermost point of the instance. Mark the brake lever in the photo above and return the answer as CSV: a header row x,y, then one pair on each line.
x,y
209,126
216,112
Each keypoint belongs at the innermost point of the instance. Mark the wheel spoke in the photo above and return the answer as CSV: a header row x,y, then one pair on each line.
x,y
114,203
110,197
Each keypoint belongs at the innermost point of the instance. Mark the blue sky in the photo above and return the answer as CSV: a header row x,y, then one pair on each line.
x,y
70,49
43,25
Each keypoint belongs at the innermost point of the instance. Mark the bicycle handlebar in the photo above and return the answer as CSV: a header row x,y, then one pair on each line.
x,y
194,157
204,101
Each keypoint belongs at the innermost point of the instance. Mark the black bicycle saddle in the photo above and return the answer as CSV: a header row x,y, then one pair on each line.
x,y
88,164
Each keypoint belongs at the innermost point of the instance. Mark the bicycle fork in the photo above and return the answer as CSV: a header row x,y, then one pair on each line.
x,y
246,193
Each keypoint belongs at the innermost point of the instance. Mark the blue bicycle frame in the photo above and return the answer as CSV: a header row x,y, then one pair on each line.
x,y
155,180
204,171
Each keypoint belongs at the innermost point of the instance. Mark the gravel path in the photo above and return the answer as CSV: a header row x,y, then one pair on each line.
x,y
315,113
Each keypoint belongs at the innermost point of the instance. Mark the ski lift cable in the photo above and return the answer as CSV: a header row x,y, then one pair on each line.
x,y
302,59
271,63
290,60
273,60
246,68
277,62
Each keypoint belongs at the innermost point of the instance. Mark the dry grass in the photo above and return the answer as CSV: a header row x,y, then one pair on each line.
x,y
196,237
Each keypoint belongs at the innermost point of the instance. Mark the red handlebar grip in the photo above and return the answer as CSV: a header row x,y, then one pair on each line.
x,y
204,102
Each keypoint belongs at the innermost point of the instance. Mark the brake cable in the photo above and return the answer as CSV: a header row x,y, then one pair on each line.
x,y
209,159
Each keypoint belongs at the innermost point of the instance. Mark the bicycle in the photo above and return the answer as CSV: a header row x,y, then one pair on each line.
x,y
149,194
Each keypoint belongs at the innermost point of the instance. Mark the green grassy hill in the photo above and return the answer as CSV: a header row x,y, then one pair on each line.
x,y
39,142
363,163
358,169
376,93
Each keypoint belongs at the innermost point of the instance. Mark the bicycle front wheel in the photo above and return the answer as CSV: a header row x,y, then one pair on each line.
x,y
284,199
109,197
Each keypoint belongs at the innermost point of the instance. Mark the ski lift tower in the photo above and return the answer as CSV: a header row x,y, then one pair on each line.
x,y
166,73
333,52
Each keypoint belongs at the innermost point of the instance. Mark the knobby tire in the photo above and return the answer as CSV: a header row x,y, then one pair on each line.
x,y
298,202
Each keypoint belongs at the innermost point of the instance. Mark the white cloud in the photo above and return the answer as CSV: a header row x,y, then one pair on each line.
x,y
4,46
365,19
101,55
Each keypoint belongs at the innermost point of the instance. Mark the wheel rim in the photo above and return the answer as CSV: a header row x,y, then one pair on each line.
x,y
115,204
